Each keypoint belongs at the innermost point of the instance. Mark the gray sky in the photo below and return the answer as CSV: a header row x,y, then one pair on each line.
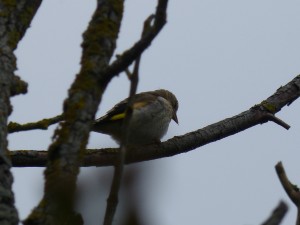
x,y
219,58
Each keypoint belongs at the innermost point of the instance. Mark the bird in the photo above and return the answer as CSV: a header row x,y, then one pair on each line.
x,y
152,112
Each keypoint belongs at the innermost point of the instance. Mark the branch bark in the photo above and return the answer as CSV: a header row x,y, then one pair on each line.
x,y
257,114
41,124
70,139
15,18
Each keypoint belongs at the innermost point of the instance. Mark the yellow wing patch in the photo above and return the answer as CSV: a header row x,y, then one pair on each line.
x,y
136,105
118,116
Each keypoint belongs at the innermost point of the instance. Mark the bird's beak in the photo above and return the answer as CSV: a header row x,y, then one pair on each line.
x,y
174,117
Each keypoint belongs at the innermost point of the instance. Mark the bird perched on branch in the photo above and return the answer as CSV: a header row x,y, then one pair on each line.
x,y
152,112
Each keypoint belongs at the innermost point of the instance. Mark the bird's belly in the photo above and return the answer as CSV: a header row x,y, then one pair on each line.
x,y
141,132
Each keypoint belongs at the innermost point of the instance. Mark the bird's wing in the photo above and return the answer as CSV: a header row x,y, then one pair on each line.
x,y
117,113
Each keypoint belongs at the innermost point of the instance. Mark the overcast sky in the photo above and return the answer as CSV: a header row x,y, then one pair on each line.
x,y
220,58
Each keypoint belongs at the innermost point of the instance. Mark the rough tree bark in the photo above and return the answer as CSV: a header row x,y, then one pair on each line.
x,y
14,20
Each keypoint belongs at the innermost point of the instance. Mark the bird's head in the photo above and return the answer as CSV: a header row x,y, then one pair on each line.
x,y
172,99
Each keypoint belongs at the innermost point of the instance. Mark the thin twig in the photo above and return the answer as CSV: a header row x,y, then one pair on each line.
x,y
147,28
112,200
127,71
41,124
139,47
291,189
272,117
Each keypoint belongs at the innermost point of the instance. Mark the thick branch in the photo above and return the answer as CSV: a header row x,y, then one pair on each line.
x,y
71,137
181,144
15,18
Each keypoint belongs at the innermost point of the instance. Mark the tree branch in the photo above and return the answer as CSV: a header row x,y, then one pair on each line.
x,y
292,190
278,121
18,86
112,200
128,57
257,114
79,110
70,139
277,215
15,18
41,124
